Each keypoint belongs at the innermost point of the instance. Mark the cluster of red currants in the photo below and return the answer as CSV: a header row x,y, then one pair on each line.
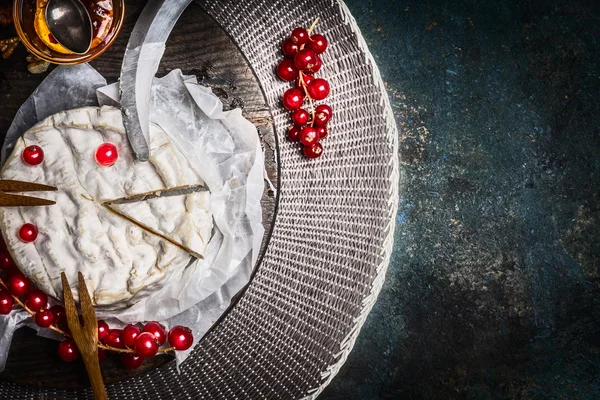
x,y
134,343
302,61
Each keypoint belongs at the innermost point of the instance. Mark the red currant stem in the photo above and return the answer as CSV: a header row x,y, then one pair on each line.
x,y
65,334
310,100
314,24
116,350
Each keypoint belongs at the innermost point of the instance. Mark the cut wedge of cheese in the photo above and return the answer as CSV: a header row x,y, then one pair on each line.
x,y
183,220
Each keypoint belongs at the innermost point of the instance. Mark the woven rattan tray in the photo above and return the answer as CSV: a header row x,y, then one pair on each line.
x,y
324,263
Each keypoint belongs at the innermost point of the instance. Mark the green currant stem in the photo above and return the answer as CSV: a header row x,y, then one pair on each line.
x,y
65,334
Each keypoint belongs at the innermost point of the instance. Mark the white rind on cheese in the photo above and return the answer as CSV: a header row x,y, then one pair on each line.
x,y
121,261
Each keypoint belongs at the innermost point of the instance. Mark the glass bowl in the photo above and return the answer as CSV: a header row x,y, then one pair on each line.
x,y
23,15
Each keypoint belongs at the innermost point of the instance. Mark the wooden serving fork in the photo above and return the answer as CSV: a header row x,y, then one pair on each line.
x,y
14,200
86,335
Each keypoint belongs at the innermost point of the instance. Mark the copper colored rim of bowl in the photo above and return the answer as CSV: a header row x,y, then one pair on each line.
x,y
72,60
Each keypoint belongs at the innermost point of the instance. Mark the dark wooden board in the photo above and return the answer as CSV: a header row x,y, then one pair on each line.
x,y
198,46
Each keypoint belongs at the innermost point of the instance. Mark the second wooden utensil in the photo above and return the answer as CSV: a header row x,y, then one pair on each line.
x,y
86,335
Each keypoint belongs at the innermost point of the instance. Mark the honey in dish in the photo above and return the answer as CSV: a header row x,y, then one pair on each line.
x,y
34,21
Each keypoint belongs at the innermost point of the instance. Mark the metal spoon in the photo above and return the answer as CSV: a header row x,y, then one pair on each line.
x,y
70,24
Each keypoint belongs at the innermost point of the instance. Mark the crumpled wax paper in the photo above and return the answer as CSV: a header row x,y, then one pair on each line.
x,y
225,150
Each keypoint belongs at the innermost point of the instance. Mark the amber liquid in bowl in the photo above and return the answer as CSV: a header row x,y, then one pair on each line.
x,y
107,19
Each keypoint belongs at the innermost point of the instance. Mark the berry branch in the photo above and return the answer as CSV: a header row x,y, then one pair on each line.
x,y
133,343
302,50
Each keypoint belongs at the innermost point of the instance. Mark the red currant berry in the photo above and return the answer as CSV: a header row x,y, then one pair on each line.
x,y
44,318
308,135
102,329
323,114
317,43
157,330
101,355
6,263
129,334
307,79
33,155
289,48
28,233
146,345
131,360
299,36
294,133
293,99
36,300
323,132
300,116
317,67
60,318
6,302
305,59
287,71
67,350
18,284
313,151
107,154
180,337
318,89
114,339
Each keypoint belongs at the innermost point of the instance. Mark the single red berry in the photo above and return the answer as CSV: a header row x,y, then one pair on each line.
x,y
101,355
287,71
6,262
323,114
318,89
293,99
28,233
36,300
180,337
305,59
60,318
299,36
322,131
289,48
67,350
308,135
316,67
114,339
300,116
313,151
44,318
103,329
6,302
131,360
317,43
294,133
107,154
32,155
146,345
18,284
129,334
306,78
157,330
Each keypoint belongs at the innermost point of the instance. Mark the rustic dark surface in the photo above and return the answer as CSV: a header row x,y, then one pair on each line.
x,y
197,46
493,291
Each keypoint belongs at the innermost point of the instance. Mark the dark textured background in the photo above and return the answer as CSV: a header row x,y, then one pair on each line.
x,y
493,289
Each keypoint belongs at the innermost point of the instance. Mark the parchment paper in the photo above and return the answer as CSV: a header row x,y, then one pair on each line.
x,y
225,150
